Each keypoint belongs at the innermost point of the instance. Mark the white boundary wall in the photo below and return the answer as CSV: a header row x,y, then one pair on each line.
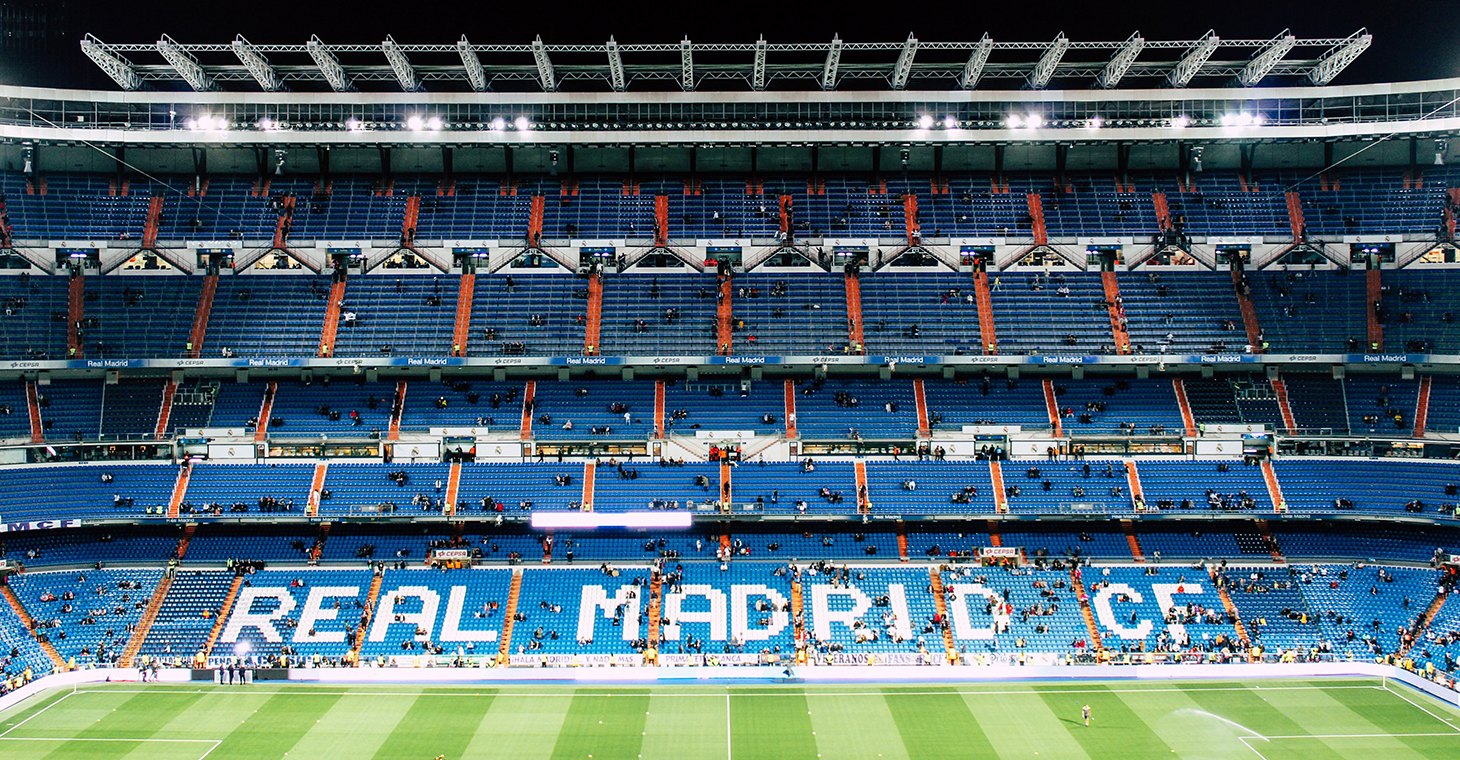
x,y
809,675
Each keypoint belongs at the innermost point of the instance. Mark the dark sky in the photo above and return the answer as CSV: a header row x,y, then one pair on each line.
x,y
1413,39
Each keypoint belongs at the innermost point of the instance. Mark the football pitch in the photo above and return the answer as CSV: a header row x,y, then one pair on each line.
x,y
1271,720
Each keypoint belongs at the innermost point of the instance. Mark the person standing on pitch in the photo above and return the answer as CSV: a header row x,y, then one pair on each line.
x,y
1085,711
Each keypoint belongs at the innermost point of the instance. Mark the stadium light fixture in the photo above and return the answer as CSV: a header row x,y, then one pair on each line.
x,y
1014,121
1180,122
499,124
1034,121
950,122
925,122
1096,122
415,123
434,124
522,124
354,125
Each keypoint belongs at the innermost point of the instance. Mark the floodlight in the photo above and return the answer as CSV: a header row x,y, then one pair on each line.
x,y
522,124
1034,120
499,124
433,123
1180,122
950,123
1014,122
1096,122
415,123
925,122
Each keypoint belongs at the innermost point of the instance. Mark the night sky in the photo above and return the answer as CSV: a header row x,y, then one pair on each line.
x,y
1412,39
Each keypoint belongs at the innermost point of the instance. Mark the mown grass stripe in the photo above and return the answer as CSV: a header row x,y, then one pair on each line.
x,y
432,727
1393,715
1115,730
1254,712
142,716
774,727
927,722
604,728
267,734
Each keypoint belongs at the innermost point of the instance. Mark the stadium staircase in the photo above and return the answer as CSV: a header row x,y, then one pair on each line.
x,y
1265,530
461,333
504,648
727,545
940,603
902,547
1163,212
33,403
179,491
332,317
76,311
1249,313
659,410
1133,480
798,612
1036,216
1374,303
200,317
6,239
266,411
864,498
1134,542
1188,420
1112,295
316,488
787,208
149,615
589,472
368,616
920,396
408,222
164,410
316,550
29,623
1295,216
223,613
453,488
534,222
995,537
727,488
154,222
1280,390
723,319
1227,604
1001,499
790,407
1078,587
1423,622
593,323
284,223
1274,489
185,540
910,219
547,548
397,410
985,312
1422,407
656,610
529,396
854,313
1051,405
661,221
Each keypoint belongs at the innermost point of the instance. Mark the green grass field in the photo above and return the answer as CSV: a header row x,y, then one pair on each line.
x,y
1272,720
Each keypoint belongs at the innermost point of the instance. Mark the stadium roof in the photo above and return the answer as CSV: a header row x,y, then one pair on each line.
x,y
684,66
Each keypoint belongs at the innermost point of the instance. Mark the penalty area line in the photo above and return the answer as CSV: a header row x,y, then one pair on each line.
x,y
1421,707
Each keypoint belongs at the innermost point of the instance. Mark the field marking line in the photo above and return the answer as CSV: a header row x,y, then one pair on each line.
x,y
1358,736
1416,704
303,688
1248,745
37,712
216,743
95,739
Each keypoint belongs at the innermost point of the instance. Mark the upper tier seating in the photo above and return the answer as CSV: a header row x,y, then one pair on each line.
x,y
940,308
987,401
497,406
1419,310
410,315
630,298
778,488
1181,312
1444,411
35,316
140,316
39,493
1105,406
267,315
355,410
807,318
729,410
1371,485
834,409
935,486
1310,311
1034,315
502,315
590,405
614,492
